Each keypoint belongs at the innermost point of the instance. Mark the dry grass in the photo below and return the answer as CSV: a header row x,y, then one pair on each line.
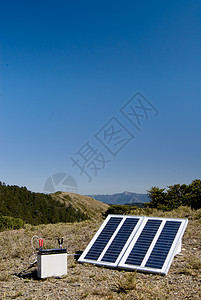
x,y
88,205
86,281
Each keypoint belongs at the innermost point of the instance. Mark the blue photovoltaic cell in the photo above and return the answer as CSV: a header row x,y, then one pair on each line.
x,y
163,245
120,240
143,242
103,238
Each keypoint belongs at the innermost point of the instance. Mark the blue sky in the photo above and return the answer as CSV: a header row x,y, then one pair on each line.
x,y
66,70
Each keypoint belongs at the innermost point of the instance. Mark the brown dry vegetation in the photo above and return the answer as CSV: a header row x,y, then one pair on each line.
x,y
87,281
88,205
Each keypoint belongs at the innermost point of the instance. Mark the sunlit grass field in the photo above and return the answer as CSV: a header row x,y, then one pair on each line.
x,y
85,281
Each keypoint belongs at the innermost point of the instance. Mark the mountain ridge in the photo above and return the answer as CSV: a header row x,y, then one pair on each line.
x,y
121,198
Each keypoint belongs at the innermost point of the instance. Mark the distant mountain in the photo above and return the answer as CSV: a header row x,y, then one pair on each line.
x,y
122,198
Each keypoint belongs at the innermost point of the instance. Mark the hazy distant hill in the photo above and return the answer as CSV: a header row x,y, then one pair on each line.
x,y
122,198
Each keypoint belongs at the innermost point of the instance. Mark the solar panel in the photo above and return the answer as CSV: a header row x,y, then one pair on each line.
x,y
134,242
155,245
111,240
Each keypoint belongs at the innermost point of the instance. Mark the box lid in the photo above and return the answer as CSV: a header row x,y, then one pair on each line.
x,y
51,251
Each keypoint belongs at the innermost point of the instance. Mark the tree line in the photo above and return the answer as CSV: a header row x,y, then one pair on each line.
x,y
176,195
35,208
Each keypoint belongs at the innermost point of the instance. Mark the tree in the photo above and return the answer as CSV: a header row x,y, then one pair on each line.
x,y
176,195
158,198
195,194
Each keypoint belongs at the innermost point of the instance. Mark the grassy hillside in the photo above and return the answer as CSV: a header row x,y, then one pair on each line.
x,y
86,281
85,204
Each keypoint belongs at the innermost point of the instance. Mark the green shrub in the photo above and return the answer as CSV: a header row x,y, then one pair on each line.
x,y
10,223
117,210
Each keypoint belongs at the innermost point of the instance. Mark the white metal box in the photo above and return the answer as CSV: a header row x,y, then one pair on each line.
x,y
51,262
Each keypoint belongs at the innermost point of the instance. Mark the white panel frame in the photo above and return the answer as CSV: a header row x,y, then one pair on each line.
x,y
114,264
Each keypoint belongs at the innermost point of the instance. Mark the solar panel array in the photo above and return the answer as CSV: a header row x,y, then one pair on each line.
x,y
134,242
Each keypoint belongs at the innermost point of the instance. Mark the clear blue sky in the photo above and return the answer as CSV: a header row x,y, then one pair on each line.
x,y
66,70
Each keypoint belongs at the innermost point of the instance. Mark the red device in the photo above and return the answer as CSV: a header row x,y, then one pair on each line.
x,y
41,243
